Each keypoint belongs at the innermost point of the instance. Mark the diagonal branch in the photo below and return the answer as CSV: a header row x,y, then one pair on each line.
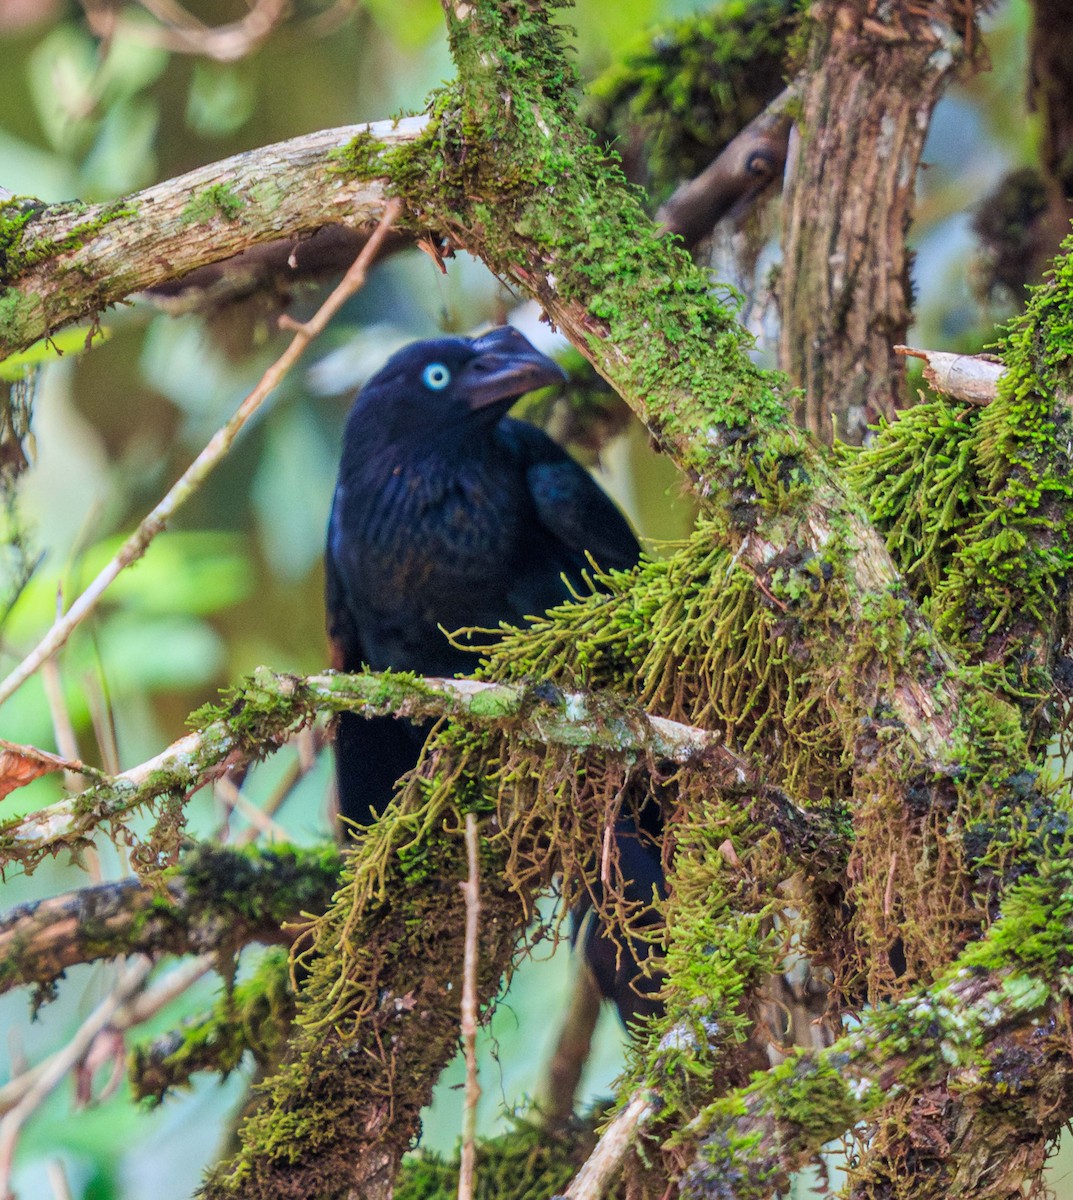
x,y
746,167
64,262
194,475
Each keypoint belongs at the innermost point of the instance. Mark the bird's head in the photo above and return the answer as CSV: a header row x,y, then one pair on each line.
x,y
453,384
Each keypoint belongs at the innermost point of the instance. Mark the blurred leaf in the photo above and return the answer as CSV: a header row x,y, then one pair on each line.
x,y
157,653
68,341
192,573
292,491
181,361
81,97
62,67
221,100
130,65
122,158
185,573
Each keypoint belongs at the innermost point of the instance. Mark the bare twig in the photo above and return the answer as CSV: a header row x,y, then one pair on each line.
x,y
141,1007
182,33
471,890
192,478
970,377
62,727
57,1179
260,822
62,1063
145,1005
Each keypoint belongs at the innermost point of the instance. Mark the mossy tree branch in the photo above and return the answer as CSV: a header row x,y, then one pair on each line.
x,y
255,1015
998,997
270,708
213,899
62,262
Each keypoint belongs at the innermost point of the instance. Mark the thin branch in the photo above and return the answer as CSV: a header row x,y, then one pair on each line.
x,y
604,1164
141,1007
973,378
471,891
57,1178
231,795
62,726
179,32
192,478
64,1062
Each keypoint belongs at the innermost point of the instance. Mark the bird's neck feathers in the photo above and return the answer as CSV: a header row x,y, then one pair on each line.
x,y
404,445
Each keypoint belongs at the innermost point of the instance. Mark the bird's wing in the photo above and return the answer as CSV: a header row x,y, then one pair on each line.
x,y
569,503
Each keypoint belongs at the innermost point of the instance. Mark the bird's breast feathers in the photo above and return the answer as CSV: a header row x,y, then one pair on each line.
x,y
428,526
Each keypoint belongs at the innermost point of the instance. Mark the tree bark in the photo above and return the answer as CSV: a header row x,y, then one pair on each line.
x,y
872,79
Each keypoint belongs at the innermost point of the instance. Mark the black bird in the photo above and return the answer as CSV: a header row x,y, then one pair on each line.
x,y
448,514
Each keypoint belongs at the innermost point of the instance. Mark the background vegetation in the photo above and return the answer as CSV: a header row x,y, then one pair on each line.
x,y
237,581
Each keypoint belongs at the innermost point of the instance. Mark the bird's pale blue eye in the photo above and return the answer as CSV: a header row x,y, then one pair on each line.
x,y
436,376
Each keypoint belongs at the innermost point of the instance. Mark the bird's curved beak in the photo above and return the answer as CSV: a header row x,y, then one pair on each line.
x,y
506,366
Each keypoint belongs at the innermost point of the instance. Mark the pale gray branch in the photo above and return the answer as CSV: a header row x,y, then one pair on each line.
x,y
74,260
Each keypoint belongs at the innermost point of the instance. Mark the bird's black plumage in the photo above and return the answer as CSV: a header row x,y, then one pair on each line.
x,y
447,515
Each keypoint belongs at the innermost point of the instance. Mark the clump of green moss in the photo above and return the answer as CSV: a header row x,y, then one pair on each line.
x,y
527,1162
254,1016
21,247
976,506
686,90
361,157
216,200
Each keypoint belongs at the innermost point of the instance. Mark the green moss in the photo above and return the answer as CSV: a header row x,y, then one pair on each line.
x,y
361,158
15,215
637,289
814,1096
977,508
797,655
255,1017
15,310
20,246
216,200
527,1162
267,195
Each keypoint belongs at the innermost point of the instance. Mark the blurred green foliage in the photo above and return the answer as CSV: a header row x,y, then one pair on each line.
x,y
237,581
